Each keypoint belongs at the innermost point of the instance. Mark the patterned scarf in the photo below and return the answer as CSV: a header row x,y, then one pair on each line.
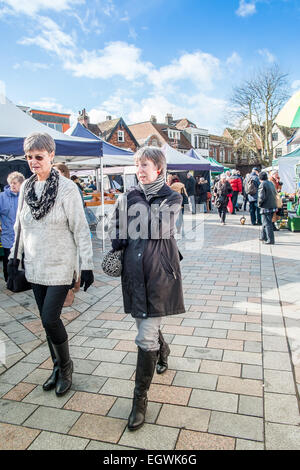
x,y
40,207
152,189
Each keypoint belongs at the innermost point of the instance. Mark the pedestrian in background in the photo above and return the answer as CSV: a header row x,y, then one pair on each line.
x,y
190,187
202,189
251,187
8,210
237,187
179,187
56,242
268,204
222,190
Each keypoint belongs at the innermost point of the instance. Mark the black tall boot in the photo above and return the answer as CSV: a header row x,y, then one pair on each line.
x,y
162,363
64,379
51,381
145,367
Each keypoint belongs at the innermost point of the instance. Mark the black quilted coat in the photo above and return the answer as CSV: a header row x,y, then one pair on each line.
x,y
151,277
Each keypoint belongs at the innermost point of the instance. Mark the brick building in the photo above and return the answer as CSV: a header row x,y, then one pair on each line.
x,y
58,121
221,149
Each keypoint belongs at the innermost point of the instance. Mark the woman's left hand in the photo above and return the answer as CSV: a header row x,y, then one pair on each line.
x,y
86,279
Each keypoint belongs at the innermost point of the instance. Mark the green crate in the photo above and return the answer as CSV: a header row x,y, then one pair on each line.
x,y
294,224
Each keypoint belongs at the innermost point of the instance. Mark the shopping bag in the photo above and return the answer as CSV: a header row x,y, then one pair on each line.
x,y
230,205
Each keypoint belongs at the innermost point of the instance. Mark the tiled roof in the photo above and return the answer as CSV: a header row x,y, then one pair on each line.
x,y
143,130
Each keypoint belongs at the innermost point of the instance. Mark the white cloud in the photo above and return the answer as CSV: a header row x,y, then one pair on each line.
x,y
199,67
33,66
31,7
51,38
246,8
295,85
234,59
117,58
267,55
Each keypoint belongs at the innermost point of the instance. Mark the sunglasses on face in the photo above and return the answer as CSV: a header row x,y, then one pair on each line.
x,y
39,158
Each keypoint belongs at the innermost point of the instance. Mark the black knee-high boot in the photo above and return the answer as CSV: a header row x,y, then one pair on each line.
x,y
164,351
51,381
146,362
64,379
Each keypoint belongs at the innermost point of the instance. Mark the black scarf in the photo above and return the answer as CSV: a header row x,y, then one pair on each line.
x,y
40,207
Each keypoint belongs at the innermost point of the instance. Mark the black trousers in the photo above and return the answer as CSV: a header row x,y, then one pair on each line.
x,y
5,262
50,300
234,200
222,213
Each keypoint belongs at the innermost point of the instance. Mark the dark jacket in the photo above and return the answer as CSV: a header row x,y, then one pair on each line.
x,y
201,192
151,276
222,192
253,197
190,186
267,195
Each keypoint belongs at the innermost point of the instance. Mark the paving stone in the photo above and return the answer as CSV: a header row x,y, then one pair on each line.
x,y
212,400
184,417
169,394
53,441
190,340
280,408
15,412
243,444
240,386
204,353
99,428
193,380
90,403
39,397
16,437
17,373
118,388
279,381
184,363
252,406
151,437
190,440
282,437
97,445
51,419
19,392
111,369
243,357
277,360
229,424
107,355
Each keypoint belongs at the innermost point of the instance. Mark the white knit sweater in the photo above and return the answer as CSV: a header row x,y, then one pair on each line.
x,y
58,246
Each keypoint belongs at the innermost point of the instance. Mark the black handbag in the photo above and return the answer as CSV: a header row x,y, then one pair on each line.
x,y
17,281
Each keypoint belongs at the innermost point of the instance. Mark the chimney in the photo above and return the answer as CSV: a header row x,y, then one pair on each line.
x,y
153,119
169,119
83,118
108,118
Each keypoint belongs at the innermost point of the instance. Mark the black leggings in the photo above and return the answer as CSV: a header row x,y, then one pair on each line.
x,y
222,213
50,300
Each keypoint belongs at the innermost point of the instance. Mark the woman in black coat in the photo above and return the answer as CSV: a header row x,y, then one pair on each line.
x,y
222,191
143,225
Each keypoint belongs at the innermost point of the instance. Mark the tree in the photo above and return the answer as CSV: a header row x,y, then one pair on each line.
x,y
256,104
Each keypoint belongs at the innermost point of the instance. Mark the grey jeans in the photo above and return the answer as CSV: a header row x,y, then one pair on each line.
x,y
147,337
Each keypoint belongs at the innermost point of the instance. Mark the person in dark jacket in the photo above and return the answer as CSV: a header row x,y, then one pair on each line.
x,y
143,224
9,199
202,188
252,198
268,205
190,187
222,190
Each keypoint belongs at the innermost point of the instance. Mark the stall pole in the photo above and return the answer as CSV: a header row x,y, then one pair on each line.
x,y
102,202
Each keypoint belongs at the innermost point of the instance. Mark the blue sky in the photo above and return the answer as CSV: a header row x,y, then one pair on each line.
x,y
135,58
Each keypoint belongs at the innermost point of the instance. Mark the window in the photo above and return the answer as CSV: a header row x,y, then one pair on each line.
x,y
278,153
173,134
275,137
121,137
229,156
221,155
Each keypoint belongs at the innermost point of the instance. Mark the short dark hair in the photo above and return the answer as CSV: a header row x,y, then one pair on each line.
x,y
263,176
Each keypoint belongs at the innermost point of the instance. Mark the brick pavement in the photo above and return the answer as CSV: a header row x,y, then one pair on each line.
x,y
234,370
